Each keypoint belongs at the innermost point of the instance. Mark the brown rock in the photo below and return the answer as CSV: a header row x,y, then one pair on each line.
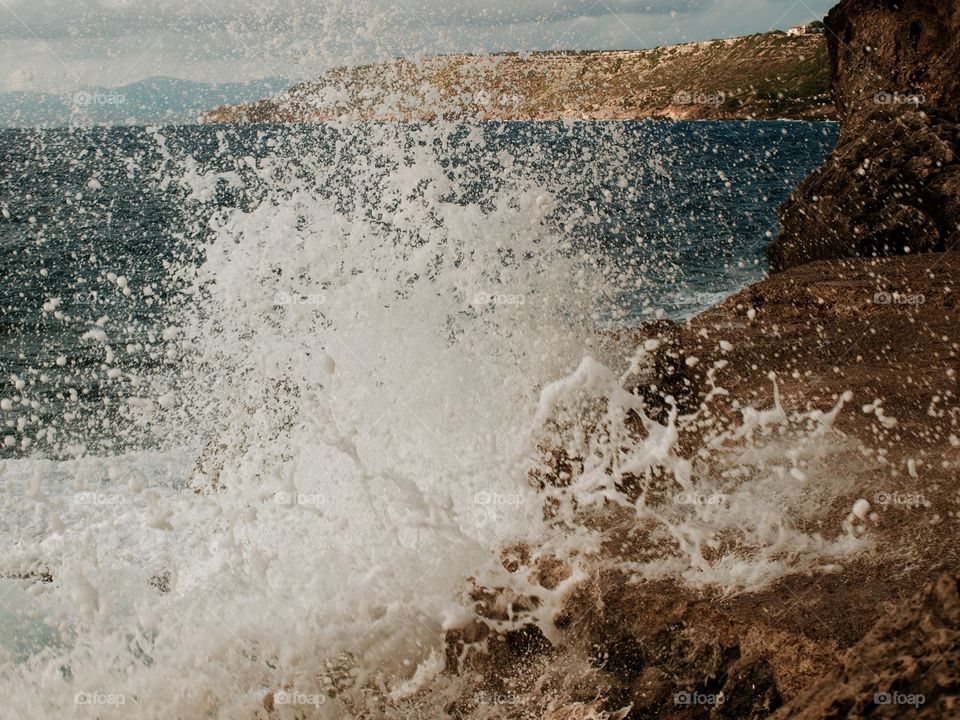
x,y
649,691
906,666
579,711
750,692
882,192
891,185
907,46
629,646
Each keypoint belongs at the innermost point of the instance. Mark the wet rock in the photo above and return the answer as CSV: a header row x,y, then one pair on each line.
x,y
579,711
750,691
339,674
674,654
651,690
888,46
25,565
890,190
672,378
162,581
637,647
906,666
622,655
662,372
892,185
663,377
546,570
549,572
43,576
478,647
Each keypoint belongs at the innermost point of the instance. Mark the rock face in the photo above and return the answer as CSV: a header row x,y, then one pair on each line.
x,y
895,46
906,666
658,651
892,185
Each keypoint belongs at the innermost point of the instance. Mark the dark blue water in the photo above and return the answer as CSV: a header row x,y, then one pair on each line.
x,y
686,208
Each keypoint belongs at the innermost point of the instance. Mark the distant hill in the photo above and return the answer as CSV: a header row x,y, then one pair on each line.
x,y
157,100
772,75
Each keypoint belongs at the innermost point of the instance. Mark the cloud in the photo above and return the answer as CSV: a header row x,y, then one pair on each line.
x,y
49,19
45,44
503,12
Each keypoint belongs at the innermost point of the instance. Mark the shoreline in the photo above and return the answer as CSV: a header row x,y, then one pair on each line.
x,y
831,333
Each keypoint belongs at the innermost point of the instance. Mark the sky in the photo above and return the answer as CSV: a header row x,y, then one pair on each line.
x,y
61,45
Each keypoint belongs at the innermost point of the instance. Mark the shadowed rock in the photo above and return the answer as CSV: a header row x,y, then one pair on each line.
x,y
892,185
906,666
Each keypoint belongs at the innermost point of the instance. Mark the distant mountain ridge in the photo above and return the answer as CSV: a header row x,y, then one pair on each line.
x,y
156,100
765,76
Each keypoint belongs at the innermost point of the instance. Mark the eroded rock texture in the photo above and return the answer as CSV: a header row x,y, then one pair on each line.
x,y
892,185
908,665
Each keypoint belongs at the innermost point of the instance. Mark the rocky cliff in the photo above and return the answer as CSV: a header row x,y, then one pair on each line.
x,y
892,186
770,75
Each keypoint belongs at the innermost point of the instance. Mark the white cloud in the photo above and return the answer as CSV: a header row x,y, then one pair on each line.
x,y
58,44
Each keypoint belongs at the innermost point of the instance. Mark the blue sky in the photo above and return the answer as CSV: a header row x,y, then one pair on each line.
x,y
58,45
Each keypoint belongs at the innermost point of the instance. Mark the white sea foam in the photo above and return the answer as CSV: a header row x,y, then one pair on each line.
x,y
368,360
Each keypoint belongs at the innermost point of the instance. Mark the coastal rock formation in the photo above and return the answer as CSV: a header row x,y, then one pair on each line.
x,y
892,185
895,46
656,650
884,330
634,651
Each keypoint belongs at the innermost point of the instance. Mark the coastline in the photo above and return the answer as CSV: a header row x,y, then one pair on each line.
x,y
823,334
861,315
435,479
763,76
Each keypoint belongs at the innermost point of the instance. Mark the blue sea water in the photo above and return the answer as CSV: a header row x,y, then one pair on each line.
x,y
685,208
271,394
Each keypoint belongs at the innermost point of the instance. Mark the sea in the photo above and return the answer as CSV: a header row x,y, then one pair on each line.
x,y
684,210
270,392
